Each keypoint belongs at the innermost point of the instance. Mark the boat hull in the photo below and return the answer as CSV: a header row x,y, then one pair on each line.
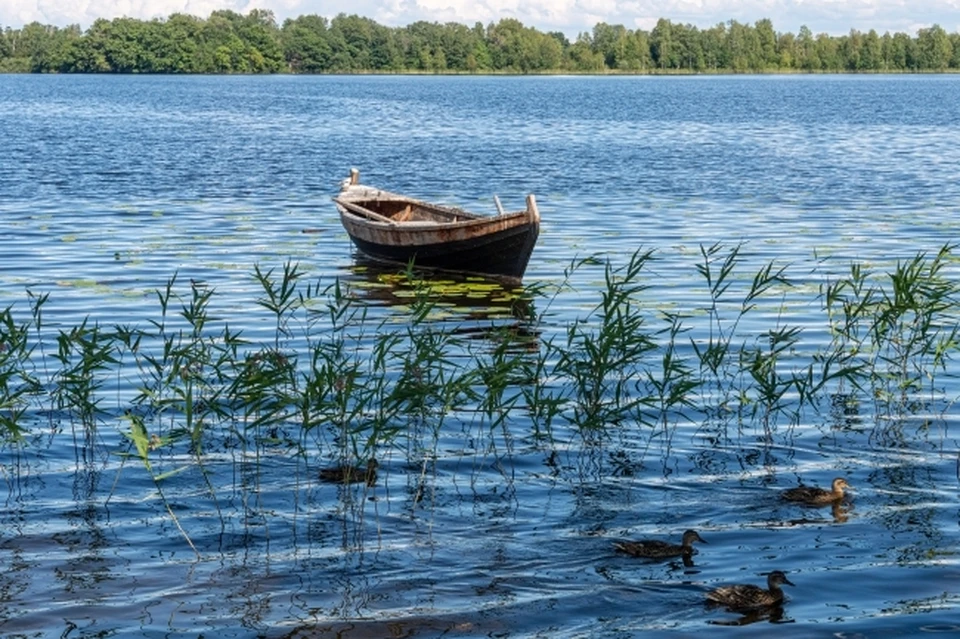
x,y
504,252
398,229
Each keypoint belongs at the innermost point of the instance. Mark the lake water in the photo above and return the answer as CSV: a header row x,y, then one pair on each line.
x,y
109,186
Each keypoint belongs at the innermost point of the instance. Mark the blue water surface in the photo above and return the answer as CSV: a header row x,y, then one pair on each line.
x,y
112,185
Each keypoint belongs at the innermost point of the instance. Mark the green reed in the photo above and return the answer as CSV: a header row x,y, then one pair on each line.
x,y
605,351
327,367
356,386
184,365
265,388
340,374
334,378
897,330
745,373
85,354
434,378
143,444
672,385
501,374
18,384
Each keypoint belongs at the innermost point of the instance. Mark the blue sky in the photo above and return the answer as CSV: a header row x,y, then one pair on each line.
x,y
835,17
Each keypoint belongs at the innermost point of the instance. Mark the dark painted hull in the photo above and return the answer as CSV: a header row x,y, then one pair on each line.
x,y
394,228
503,253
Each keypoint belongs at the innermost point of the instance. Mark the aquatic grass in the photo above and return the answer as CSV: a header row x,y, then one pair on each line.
x,y
280,298
672,385
18,384
312,376
338,373
334,380
713,353
893,332
614,364
434,377
265,387
544,401
183,384
183,367
501,373
143,443
604,352
85,354
913,331
742,372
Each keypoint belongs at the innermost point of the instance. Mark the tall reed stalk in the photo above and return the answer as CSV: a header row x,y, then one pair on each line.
x,y
895,333
360,384
85,354
743,374
604,352
18,385
672,385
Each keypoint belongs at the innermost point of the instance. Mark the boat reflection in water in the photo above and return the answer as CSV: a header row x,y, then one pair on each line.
x,y
470,305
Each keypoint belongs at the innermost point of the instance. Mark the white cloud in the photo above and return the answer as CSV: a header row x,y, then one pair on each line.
x,y
570,16
16,13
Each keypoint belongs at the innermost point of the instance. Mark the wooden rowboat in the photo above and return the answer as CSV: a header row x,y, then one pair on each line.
x,y
399,229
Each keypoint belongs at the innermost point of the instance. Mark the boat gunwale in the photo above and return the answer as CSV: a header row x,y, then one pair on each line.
x,y
361,194
367,216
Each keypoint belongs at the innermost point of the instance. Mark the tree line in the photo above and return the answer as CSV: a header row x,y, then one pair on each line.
x,y
229,42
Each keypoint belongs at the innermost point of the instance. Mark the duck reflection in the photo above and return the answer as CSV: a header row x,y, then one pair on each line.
x,y
771,614
839,513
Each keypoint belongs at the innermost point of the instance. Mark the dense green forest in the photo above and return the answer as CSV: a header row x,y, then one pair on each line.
x,y
229,42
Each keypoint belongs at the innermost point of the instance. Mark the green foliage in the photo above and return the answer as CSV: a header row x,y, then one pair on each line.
x,y
327,371
896,336
306,44
85,354
173,49
935,48
229,42
605,351
17,383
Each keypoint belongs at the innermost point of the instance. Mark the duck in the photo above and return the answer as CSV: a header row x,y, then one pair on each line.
x,y
817,496
750,597
656,549
347,474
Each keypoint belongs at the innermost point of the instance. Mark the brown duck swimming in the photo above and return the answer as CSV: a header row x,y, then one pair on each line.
x,y
748,596
655,549
817,496
346,474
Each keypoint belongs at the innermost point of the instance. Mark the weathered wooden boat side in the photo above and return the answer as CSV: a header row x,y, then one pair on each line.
x,y
396,228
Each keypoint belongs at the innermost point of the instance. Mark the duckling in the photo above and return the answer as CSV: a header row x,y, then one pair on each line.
x,y
817,496
655,549
346,474
748,596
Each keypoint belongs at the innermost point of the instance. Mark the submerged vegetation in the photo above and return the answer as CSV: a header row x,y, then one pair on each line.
x,y
229,42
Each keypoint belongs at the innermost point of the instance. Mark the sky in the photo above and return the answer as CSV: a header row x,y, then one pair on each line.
x,y
834,17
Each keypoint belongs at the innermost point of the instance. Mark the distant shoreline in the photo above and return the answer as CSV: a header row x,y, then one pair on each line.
x,y
228,43
513,74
